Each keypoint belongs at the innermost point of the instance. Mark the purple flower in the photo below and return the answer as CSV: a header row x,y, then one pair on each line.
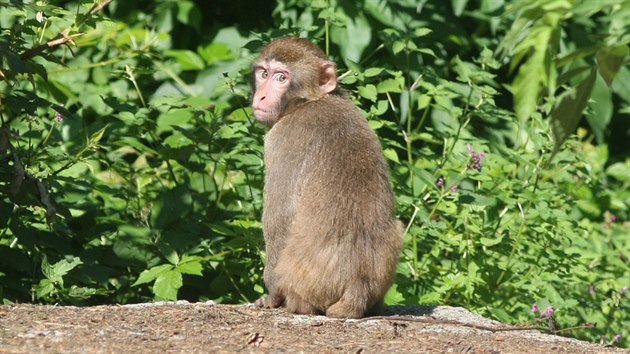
x,y
612,218
535,308
454,189
59,116
475,158
548,312
440,181
616,338
623,290
591,290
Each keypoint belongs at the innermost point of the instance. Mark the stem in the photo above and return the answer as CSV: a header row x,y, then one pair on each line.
x,y
327,29
433,210
519,235
43,142
175,78
409,147
466,114
424,116
450,149
132,78
231,279
414,240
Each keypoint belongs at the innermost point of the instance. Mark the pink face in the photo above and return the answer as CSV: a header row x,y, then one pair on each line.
x,y
272,81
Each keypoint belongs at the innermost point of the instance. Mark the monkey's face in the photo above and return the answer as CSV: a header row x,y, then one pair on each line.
x,y
289,72
271,82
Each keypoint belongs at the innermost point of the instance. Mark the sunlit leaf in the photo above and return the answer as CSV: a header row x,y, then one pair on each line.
x,y
391,155
167,284
188,60
151,274
190,265
368,91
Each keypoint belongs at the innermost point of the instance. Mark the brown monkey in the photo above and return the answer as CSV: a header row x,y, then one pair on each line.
x,y
331,236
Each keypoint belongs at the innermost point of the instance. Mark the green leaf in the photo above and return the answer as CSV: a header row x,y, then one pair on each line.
x,y
380,108
169,253
189,14
371,72
376,124
126,117
391,154
423,31
64,266
568,110
385,13
525,89
171,206
178,140
354,38
448,207
610,60
174,117
151,274
167,284
532,75
44,288
135,143
601,104
423,101
431,298
190,265
84,293
398,46
393,296
458,7
489,242
188,60
57,271
620,171
215,52
369,92
97,136
390,85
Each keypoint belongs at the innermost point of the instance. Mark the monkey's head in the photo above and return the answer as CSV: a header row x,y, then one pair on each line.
x,y
289,71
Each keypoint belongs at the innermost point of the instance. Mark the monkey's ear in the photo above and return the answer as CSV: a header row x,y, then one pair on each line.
x,y
328,77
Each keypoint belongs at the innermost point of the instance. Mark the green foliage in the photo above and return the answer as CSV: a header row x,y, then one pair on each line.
x,y
149,191
131,166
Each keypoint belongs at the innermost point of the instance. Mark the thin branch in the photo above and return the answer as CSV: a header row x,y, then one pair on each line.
x,y
99,6
33,52
64,37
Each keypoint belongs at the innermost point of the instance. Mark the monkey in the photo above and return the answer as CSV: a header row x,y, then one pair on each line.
x,y
332,240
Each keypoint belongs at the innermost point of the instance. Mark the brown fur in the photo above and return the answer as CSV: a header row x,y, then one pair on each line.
x,y
332,239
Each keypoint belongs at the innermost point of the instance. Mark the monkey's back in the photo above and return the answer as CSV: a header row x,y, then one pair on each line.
x,y
329,205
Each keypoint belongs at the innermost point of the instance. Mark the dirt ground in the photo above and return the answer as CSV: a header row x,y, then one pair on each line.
x,y
210,328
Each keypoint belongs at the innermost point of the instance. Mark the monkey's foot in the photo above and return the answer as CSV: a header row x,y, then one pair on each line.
x,y
346,309
298,305
269,301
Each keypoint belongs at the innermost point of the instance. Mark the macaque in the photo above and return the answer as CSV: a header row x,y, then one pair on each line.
x,y
331,236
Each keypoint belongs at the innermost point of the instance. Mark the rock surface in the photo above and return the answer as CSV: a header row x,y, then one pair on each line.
x,y
206,327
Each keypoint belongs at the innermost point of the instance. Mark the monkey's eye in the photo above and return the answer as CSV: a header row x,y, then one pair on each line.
x,y
263,74
280,77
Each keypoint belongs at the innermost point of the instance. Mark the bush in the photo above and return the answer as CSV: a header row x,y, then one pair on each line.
x,y
131,165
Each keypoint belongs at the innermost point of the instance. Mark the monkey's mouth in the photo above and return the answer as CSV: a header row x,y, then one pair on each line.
x,y
262,114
